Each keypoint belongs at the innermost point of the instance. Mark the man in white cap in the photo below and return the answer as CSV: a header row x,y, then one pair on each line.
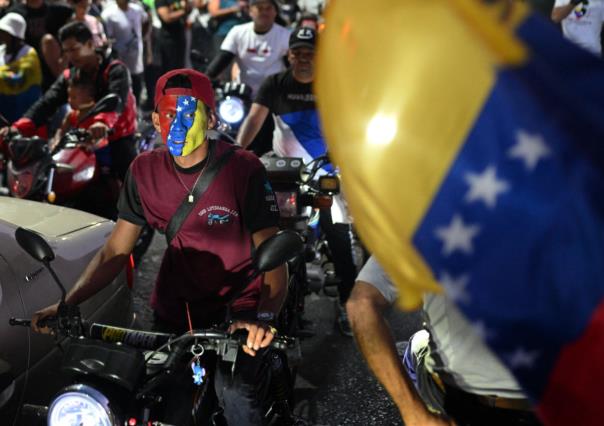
x,y
20,70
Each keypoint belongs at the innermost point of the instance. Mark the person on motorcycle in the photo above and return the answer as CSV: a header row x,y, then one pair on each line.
x,y
259,49
289,97
109,76
81,99
198,276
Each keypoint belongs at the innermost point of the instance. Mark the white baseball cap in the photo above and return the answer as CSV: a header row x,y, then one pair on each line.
x,y
14,24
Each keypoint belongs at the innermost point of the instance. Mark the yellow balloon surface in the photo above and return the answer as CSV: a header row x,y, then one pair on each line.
x,y
399,85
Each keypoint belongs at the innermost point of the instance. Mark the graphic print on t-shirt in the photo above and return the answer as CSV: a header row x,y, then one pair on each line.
x,y
262,49
218,215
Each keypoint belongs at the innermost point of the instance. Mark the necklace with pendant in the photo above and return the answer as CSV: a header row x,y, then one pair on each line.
x,y
190,198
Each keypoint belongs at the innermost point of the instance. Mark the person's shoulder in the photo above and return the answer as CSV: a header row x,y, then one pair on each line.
x,y
281,30
109,9
282,78
243,28
275,81
60,7
27,50
138,8
114,66
19,8
149,160
92,20
243,160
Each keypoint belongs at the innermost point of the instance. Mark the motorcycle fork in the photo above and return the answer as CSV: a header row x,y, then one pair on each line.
x,y
50,181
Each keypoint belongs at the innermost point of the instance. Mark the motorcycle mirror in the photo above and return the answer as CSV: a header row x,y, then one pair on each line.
x,y
107,103
277,250
34,244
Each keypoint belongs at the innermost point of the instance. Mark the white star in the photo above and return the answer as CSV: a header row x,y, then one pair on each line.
x,y
456,287
457,236
178,108
169,137
522,358
185,102
485,187
530,149
482,331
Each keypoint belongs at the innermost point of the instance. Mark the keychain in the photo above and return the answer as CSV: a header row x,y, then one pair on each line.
x,y
198,371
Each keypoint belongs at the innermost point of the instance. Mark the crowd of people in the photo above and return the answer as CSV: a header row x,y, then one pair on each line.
x,y
57,54
149,37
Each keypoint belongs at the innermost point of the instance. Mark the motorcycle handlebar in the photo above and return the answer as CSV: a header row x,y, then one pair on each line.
x,y
153,340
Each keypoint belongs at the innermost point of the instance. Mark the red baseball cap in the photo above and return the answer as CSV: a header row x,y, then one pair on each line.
x,y
201,87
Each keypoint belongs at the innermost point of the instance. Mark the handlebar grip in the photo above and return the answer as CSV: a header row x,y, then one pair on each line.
x,y
19,322
45,322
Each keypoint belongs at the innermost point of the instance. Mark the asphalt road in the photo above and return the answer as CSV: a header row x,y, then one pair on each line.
x,y
334,386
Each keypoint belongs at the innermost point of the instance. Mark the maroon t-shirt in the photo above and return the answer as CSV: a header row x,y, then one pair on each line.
x,y
204,260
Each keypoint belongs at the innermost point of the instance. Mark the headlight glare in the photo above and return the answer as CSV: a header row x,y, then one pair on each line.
x,y
80,405
231,110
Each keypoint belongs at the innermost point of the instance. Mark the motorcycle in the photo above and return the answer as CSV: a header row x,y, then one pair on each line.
x,y
37,172
67,173
119,374
300,198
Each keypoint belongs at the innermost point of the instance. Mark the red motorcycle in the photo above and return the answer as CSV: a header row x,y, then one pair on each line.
x,y
61,174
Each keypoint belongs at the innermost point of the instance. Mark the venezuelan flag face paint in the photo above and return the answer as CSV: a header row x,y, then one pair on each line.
x,y
183,123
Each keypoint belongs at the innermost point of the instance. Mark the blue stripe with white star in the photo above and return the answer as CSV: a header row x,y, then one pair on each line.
x,y
515,232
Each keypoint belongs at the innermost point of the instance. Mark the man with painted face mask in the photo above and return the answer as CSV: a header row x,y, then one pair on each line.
x,y
199,267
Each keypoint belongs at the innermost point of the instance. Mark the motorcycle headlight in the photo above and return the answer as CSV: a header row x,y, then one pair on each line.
x,y
80,405
84,175
21,184
231,110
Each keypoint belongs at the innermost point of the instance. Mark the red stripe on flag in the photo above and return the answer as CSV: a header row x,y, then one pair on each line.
x,y
574,395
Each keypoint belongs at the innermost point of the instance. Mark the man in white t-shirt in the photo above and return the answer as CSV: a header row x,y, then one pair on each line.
x,y
581,22
259,48
124,21
455,373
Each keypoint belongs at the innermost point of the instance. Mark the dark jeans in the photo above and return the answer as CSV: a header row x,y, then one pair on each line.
x,y
137,87
240,394
171,52
152,73
338,238
466,410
